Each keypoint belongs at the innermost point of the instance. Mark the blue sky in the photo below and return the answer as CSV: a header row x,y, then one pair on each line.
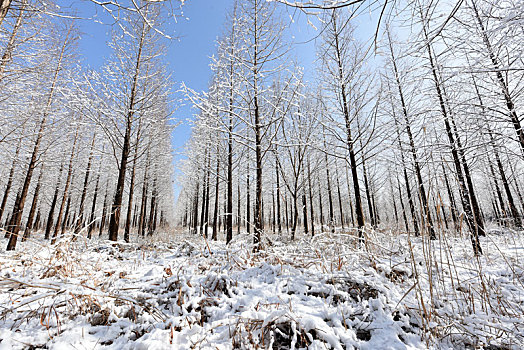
x,y
188,54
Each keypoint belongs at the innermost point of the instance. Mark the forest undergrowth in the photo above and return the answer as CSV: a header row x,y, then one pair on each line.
x,y
185,292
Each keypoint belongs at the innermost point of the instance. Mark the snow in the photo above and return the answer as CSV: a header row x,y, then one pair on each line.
x,y
316,293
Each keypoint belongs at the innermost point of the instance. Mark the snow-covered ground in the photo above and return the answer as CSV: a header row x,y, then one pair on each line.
x,y
396,292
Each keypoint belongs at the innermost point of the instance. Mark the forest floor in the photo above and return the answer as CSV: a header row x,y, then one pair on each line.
x,y
396,292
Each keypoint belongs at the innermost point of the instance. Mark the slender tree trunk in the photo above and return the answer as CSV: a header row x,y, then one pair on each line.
x,y
304,210
368,194
320,206
206,220
311,212
349,195
80,221
259,225
330,197
91,223
20,203
36,224
341,210
10,178
229,209
404,212
8,52
195,209
214,236
287,213
50,217
4,8
519,193
395,210
203,208
422,191
451,197
406,180
505,184
119,191
66,221
143,206
350,142
279,219
151,225
34,204
500,78
248,204
66,189
104,210
239,206
498,192
474,220
127,227
295,214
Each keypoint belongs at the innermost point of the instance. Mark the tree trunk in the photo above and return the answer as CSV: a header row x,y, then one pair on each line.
x,y
195,209
422,191
248,204
80,221
50,217
206,218
331,222
214,236
127,227
368,194
10,178
239,207
29,226
6,57
91,223
451,197
404,213
104,210
341,210
119,191
304,210
66,189
143,206
20,203
4,8
152,210
350,142
500,78
311,212
472,218
406,180
320,206
67,218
